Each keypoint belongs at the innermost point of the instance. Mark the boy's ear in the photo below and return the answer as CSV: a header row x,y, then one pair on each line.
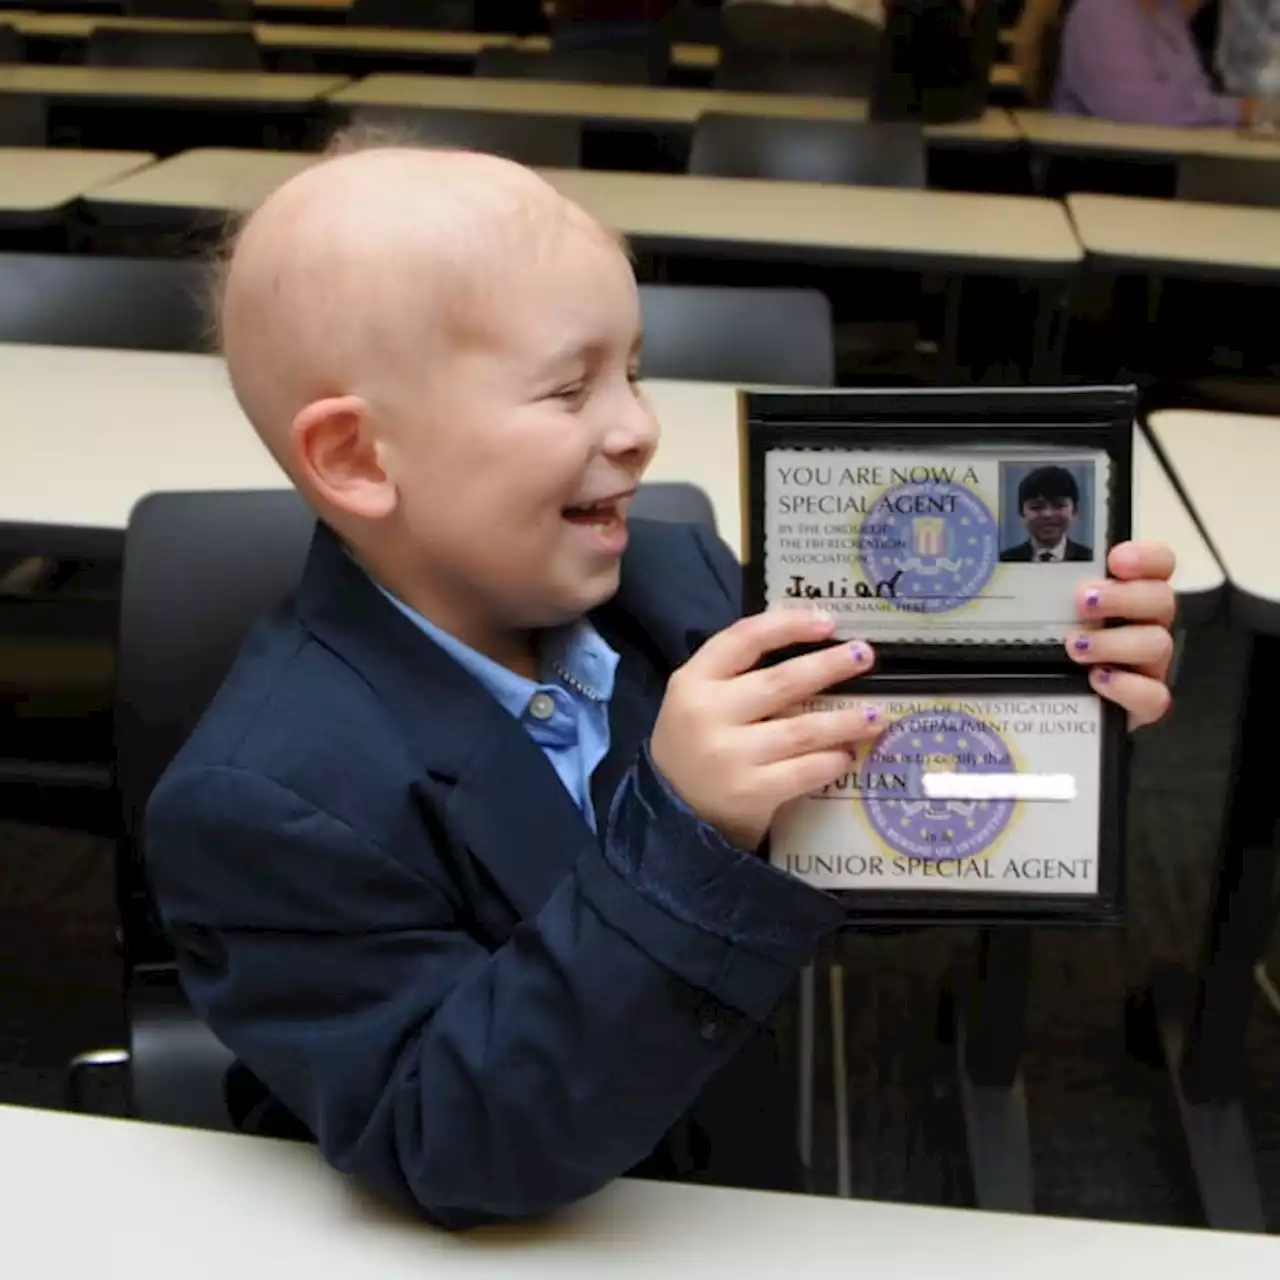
x,y
336,456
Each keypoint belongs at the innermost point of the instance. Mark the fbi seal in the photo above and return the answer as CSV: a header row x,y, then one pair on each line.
x,y
935,740
936,541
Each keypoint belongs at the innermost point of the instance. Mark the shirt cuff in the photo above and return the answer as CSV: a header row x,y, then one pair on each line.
x,y
684,866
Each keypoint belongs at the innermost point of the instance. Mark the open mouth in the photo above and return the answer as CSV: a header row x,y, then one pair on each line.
x,y
596,515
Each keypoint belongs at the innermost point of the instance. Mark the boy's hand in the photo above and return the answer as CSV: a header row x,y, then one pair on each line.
x,y
724,739
1132,661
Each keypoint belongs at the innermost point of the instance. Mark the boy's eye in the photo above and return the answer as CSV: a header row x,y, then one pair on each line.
x,y
570,391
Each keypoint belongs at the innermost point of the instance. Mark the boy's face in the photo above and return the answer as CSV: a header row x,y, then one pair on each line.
x,y
1048,519
516,460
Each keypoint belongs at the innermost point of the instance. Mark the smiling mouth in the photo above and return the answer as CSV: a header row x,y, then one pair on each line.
x,y
595,515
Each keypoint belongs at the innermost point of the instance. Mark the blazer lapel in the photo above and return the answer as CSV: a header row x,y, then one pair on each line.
x,y
501,797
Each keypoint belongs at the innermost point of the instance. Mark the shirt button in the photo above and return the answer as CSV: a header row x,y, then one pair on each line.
x,y
542,706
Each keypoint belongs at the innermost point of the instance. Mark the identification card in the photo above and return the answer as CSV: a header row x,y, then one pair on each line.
x,y
960,795
942,546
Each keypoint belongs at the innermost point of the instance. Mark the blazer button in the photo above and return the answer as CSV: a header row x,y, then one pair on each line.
x,y
713,1021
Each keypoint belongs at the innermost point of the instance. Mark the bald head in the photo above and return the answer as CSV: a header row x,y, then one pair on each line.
x,y
358,274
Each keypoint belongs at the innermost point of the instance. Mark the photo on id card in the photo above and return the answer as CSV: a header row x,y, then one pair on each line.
x,y
951,529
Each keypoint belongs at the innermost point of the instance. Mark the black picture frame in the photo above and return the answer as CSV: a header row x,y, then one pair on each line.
x,y
1067,417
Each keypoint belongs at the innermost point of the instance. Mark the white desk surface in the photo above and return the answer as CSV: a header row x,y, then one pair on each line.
x,y
1177,232
219,178
79,26
122,1200
153,82
1081,134
1226,464
88,433
630,103
35,180
675,207
325,39
861,220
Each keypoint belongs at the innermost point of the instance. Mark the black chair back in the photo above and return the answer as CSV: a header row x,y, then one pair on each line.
x,y
935,62
23,120
551,142
68,300
427,15
12,46
798,31
199,570
797,150
576,66
1229,180
814,51
712,334
205,50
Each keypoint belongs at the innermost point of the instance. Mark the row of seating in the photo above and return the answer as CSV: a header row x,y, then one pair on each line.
x,y
718,334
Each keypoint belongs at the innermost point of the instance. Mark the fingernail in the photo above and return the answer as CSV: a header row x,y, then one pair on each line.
x,y
1092,598
1081,644
873,716
1104,675
859,652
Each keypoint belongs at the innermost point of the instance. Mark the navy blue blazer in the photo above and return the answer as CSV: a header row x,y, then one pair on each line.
x,y
387,906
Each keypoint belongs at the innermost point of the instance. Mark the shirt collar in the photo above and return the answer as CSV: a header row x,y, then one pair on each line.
x,y
1058,551
576,651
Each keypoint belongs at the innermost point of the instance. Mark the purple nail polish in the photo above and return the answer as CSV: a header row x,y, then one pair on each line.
x,y
858,651
873,716
1092,598
1081,644
1105,674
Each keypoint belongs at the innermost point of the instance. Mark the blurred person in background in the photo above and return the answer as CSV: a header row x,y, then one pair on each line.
x,y
1248,40
1136,62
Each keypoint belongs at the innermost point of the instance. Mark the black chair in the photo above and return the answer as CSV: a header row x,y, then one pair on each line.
x,y
426,15
711,334
199,569
192,10
580,66
817,52
1228,180
204,50
549,142
935,61
12,45
23,120
66,300
796,150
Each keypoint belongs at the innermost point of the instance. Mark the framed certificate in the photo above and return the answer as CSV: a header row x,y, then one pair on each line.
x,y
952,529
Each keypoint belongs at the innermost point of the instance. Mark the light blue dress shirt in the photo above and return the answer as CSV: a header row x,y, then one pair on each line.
x,y
566,712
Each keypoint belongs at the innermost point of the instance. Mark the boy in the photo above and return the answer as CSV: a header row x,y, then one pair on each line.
x,y
1048,502
461,863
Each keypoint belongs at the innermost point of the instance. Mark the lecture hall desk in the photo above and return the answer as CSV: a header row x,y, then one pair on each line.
x,y
38,186
89,432
953,233
122,1200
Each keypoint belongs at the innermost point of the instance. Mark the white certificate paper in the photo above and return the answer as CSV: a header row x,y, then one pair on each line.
x,y
877,830
970,545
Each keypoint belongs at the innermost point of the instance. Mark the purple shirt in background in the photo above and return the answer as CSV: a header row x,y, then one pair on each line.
x,y
1121,63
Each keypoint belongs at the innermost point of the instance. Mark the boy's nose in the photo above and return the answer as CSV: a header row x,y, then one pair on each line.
x,y
633,431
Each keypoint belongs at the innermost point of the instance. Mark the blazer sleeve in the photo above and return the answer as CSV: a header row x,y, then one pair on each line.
x,y
475,1084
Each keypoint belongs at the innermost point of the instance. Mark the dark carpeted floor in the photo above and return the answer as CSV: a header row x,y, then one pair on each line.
x,y
1104,1136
